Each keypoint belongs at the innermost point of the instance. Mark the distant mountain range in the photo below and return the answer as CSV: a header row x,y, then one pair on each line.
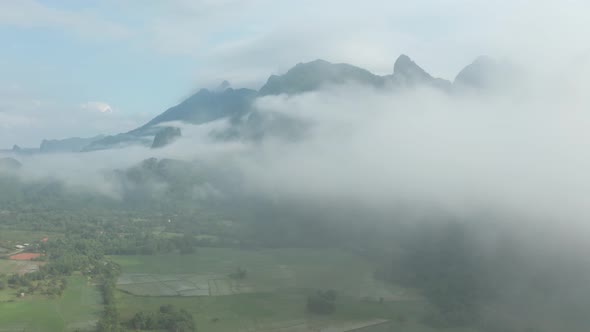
x,y
226,102
74,144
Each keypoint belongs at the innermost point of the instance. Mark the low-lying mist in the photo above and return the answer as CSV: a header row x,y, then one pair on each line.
x,y
513,160
518,151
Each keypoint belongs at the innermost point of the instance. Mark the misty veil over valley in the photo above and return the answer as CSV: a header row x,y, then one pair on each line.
x,y
310,196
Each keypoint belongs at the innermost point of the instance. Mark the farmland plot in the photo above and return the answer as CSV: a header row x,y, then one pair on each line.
x,y
207,273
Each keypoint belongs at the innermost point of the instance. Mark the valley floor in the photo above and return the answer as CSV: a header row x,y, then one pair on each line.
x,y
272,296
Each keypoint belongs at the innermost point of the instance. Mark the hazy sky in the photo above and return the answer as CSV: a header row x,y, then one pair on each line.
x,y
80,68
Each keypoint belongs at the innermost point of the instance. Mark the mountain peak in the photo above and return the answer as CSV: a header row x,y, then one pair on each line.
x,y
316,62
483,60
223,86
481,73
404,66
403,61
313,75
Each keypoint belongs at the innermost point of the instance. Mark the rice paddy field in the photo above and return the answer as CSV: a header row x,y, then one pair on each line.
x,y
273,294
207,273
77,309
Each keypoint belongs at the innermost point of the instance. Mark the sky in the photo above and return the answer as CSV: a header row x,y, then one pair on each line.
x,y
82,68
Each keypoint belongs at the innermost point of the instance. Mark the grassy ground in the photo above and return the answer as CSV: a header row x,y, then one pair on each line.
x,y
78,308
278,282
8,266
281,311
265,311
268,270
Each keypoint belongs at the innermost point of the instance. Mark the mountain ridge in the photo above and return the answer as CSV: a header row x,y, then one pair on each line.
x,y
226,102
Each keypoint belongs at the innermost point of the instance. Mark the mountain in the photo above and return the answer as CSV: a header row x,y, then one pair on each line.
x,y
311,76
202,107
205,106
407,73
17,150
119,141
305,77
223,86
166,137
486,73
235,105
74,144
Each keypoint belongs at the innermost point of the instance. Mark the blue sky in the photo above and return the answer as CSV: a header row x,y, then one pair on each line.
x,y
72,67
80,68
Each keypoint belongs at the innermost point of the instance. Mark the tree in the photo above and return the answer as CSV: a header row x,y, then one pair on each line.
x,y
239,274
166,309
447,266
322,302
167,318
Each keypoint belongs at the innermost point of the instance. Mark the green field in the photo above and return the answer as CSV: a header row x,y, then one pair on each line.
x,y
272,311
269,270
78,308
272,297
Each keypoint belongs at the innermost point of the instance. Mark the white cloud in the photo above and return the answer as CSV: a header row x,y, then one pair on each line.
x,y
26,119
97,106
522,156
248,40
245,41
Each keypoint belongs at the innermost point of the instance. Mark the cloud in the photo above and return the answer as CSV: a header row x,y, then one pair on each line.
x,y
245,41
522,156
522,153
26,118
97,106
248,40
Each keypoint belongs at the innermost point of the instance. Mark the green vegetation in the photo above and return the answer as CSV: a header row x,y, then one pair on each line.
x,y
273,293
268,270
276,310
9,267
110,321
322,302
249,265
167,318
239,274
77,309
219,289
